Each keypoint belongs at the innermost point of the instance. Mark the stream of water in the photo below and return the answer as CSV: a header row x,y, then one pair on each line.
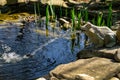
x,y
26,54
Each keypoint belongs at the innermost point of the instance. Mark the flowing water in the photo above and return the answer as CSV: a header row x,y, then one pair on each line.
x,y
27,53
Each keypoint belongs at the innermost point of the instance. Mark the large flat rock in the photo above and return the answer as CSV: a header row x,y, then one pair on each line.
x,y
94,68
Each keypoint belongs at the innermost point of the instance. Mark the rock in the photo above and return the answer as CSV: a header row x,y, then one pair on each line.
x,y
103,52
83,77
95,68
118,34
114,78
99,36
41,79
117,55
118,75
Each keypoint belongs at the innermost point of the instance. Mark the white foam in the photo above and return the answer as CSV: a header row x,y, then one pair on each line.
x,y
11,57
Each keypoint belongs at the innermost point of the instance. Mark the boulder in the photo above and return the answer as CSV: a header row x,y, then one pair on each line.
x,y
95,68
118,75
118,34
114,78
102,52
117,55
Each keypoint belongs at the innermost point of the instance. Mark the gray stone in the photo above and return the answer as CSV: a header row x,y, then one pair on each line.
x,y
83,77
118,75
118,34
117,55
96,68
114,78
102,52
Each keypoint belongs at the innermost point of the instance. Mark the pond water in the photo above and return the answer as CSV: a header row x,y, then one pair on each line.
x,y
27,53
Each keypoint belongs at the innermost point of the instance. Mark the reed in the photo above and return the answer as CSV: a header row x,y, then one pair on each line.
x,y
93,21
79,20
61,12
66,12
52,11
35,11
38,7
109,19
73,19
47,19
99,19
86,14
103,23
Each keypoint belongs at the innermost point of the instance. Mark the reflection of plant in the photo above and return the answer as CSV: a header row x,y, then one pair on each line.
x,y
73,38
109,19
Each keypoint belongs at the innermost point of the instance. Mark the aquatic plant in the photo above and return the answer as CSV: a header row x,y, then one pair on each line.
x,y
73,19
61,12
38,7
86,14
66,12
99,18
52,11
35,11
79,20
103,23
93,21
47,19
109,19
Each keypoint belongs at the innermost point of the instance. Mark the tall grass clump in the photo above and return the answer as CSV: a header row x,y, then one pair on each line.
x,y
47,19
73,35
109,19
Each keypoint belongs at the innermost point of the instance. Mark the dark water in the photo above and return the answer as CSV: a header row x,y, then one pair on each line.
x,y
26,54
